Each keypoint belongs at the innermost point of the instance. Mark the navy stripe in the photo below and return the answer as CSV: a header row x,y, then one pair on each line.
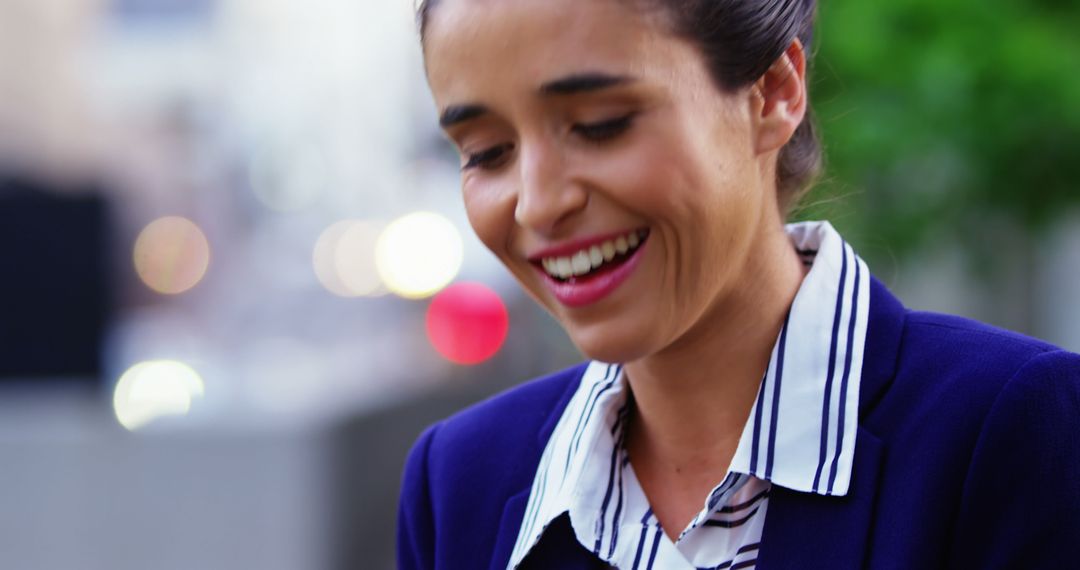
x,y
618,505
615,518
776,397
736,478
620,416
742,550
534,507
539,501
741,506
730,481
723,488
641,541
822,450
847,371
640,547
757,422
607,499
610,482
744,564
583,420
655,547
734,523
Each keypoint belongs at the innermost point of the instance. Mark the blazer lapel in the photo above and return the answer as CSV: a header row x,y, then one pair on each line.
x,y
513,513
806,530
514,509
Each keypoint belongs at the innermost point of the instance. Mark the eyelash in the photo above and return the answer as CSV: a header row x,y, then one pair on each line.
x,y
605,130
487,158
597,132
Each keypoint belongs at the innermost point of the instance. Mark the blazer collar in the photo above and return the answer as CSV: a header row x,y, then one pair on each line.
x,y
883,332
833,531
514,508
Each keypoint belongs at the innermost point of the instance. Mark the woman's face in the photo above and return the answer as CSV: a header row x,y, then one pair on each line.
x,y
600,164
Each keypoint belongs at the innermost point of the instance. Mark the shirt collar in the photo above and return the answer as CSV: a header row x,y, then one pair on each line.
x,y
801,430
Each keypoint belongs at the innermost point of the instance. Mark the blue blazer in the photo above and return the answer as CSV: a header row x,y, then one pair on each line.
x,y
967,456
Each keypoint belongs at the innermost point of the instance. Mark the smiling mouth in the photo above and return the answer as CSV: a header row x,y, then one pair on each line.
x,y
594,260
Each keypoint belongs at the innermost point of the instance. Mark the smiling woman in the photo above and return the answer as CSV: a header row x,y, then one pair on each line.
x,y
628,124
755,397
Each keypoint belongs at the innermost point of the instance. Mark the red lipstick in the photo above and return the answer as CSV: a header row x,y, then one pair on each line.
x,y
598,283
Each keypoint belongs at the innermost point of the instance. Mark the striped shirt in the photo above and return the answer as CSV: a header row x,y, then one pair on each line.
x,y
800,435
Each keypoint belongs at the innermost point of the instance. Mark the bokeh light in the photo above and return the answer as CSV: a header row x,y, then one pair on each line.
x,y
354,259
344,259
150,390
419,254
324,258
467,323
171,255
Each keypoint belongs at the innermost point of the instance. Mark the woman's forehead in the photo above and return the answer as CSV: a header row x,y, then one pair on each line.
x,y
473,47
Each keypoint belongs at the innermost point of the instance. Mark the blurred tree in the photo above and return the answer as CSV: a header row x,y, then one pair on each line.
x,y
946,119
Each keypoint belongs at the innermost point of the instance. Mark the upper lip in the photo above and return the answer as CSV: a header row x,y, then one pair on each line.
x,y
573,246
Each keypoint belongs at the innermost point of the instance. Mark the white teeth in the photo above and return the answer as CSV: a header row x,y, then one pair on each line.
x,y
608,250
595,257
563,268
581,263
589,259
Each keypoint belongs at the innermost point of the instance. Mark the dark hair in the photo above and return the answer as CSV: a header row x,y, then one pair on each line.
x,y
740,40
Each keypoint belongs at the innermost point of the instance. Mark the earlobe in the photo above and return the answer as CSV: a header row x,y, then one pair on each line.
x,y
779,99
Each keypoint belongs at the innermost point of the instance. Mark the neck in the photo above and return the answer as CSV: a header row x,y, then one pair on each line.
x,y
693,398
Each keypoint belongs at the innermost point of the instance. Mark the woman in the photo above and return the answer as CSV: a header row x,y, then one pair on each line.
x,y
631,162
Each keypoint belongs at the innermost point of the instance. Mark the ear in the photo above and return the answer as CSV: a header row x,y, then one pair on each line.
x,y
778,99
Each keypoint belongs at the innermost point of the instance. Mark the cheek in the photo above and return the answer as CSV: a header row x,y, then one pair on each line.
x,y
491,216
677,183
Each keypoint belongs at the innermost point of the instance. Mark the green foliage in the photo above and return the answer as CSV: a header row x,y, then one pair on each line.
x,y
938,114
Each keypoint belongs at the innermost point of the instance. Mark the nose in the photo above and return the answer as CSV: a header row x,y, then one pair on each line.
x,y
548,197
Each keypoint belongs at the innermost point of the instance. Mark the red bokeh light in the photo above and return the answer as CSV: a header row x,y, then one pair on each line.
x,y
467,323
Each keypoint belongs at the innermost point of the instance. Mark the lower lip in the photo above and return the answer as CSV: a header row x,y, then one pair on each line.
x,y
593,288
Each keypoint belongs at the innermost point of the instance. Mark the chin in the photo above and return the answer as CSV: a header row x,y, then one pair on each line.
x,y
611,344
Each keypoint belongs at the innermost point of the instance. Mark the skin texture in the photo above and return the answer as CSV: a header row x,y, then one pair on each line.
x,y
696,321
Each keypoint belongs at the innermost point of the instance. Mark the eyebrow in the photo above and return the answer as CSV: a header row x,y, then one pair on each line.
x,y
455,114
583,82
569,85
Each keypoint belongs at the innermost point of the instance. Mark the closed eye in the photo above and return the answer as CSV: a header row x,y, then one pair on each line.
x,y
604,130
488,159
600,131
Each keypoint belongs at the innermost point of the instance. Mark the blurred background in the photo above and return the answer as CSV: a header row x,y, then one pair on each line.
x,y
236,279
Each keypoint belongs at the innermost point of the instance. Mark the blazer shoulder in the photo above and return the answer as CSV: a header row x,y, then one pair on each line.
x,y
953,328
495,445
463,472
966,352
1022,469
513,416
949,372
